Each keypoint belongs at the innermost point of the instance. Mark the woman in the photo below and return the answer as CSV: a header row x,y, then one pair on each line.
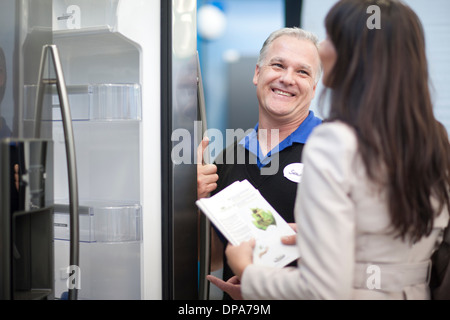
x,y
374,196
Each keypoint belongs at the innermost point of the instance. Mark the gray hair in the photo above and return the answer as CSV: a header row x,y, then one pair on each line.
x,y
292,32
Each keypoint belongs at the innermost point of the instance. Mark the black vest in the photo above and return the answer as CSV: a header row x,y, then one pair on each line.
x,y
279,191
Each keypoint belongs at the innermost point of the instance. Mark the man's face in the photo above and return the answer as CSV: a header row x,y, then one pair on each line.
x,y
285,82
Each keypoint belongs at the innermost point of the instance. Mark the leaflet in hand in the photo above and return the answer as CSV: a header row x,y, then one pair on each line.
x,y
241,213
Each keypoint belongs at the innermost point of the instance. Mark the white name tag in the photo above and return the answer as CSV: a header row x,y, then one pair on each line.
x,y
294,172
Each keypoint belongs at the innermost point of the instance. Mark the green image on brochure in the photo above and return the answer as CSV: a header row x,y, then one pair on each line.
x,y
240,213
263,218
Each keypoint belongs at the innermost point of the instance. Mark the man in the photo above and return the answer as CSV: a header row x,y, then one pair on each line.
x,y
286,77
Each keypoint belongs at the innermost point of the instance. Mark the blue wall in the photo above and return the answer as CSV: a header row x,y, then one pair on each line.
x,y
434,15
249,22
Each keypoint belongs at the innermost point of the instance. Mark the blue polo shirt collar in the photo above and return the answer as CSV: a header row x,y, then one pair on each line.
x,y
300,135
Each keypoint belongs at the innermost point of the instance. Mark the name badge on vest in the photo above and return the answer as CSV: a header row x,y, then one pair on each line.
x,y
294,172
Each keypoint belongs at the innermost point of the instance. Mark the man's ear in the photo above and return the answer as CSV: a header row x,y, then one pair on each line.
x,y
256,75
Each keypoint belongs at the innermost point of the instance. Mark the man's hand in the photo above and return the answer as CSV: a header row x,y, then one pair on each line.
x,y
16,176
206,173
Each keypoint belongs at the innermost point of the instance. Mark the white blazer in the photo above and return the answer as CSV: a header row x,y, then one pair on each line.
x,y
346,248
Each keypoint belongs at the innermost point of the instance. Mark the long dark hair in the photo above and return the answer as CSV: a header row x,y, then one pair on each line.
x,y
380,86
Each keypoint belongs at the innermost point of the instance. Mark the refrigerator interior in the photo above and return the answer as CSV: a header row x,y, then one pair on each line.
x,y
103,75
131,194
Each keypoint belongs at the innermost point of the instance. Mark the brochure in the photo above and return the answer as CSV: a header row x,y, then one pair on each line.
x,y
241,213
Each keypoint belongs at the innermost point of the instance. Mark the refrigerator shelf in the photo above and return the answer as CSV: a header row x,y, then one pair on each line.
x,y
93,42
92,102
82,33
101,222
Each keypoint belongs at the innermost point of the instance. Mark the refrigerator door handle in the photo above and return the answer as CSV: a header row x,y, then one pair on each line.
x,y
59,81
205,224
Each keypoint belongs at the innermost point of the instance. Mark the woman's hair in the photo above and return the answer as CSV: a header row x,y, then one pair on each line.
x,y
380,86
292,32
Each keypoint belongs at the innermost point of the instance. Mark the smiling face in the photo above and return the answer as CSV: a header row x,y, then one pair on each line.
x,y
286,79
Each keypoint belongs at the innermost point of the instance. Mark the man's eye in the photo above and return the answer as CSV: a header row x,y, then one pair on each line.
x,y
277,65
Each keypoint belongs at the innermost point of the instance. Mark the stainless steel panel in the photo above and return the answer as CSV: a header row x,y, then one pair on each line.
x,y
179,108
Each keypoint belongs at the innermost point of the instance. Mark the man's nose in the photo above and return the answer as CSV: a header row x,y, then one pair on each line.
x,y
288,76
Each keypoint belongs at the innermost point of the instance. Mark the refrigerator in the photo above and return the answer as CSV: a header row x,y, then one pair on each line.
x,y
130,78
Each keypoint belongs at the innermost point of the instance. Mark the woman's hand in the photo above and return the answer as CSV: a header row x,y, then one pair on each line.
x,y
290,240
239,257
232,286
